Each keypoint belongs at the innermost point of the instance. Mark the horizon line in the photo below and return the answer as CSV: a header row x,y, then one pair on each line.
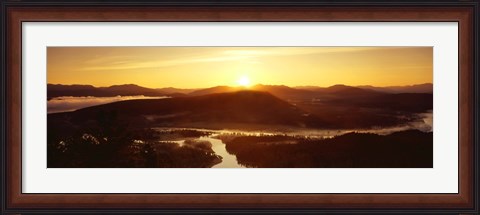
x,y
253,85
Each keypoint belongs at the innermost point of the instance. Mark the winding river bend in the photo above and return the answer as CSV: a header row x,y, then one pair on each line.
x,y
230,160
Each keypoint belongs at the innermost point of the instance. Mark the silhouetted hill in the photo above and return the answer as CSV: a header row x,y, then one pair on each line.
x,y
337,106
284,92
417,88
242,107
217,89
56,90
340,90
129,90
348,91
172,90
58,87
410,102
280,91
354,97
403,149
289,93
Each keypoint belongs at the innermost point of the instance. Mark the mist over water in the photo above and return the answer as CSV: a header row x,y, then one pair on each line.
x,y
424,124
72,103
262,147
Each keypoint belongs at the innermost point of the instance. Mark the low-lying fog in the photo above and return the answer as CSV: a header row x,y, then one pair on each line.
x,y
70,103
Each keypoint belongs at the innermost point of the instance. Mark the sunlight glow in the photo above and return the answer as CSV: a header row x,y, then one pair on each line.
x,y
179,67
244,81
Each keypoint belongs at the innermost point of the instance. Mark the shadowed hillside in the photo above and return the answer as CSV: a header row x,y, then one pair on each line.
x,y
417,88
217,89
57,90
223,109
281,91
405,149
337,107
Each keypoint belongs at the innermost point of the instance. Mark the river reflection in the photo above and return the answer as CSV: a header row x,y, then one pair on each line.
x,y
230,161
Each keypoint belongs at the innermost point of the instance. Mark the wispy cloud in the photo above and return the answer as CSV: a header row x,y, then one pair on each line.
x,y
126,62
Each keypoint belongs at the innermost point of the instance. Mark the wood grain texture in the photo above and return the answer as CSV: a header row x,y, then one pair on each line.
x,y
17,199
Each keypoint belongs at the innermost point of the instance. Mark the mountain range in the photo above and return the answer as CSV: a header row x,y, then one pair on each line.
x,y
57,90
281,91
241,107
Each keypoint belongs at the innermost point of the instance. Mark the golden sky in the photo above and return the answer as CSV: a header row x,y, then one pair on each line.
x,y
199,67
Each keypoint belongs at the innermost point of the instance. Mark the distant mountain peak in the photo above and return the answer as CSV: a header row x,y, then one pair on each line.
x,y
414,88
338,85
125,85
70,85
341,87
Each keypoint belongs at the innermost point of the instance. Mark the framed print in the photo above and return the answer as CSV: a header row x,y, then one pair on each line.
x,y
310,106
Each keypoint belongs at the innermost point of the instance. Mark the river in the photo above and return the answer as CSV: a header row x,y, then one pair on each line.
x,y
230,161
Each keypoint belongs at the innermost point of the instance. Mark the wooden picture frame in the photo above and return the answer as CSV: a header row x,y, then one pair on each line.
x,y
466,13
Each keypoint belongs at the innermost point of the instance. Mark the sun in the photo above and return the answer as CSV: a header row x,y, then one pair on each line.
x,y
244,81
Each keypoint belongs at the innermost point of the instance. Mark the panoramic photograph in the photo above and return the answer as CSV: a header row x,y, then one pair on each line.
x,y
240,107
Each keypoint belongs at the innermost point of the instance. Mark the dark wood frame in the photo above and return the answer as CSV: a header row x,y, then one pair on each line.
x,y
15,12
